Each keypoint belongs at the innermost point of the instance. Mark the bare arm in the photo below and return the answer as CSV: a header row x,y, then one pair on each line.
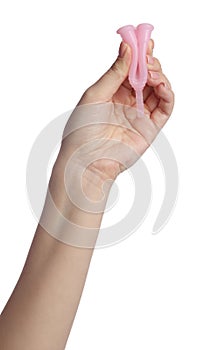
x,y
41,310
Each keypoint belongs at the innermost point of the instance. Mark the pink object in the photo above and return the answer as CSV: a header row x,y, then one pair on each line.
x,y
137,38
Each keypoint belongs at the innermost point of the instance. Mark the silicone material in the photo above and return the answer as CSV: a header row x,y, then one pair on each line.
x,y
137,38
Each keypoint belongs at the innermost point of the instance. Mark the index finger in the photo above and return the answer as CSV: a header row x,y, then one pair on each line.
x,y
150,47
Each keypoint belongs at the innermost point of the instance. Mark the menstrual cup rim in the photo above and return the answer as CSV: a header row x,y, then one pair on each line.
x,y
127,27
145,24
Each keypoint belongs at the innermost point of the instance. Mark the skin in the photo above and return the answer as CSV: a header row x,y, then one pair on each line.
x,y
41,310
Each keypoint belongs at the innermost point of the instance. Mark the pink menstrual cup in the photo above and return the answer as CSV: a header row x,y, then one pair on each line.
x,y
137,38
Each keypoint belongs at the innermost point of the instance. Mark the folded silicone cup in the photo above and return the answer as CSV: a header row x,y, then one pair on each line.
x,y
137,38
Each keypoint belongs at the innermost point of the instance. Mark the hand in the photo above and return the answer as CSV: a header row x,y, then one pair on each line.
x,y
114,86
106,123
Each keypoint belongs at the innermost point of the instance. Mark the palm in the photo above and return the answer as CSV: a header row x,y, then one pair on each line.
x,y
139,134
106,135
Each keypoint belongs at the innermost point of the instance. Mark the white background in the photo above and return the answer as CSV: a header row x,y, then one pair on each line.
x,y
147,292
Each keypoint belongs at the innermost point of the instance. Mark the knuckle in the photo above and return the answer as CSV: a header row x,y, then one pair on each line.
x,y
173,96
158,64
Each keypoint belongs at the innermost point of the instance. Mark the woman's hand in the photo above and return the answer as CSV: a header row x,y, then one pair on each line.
x,y
105,134
114,87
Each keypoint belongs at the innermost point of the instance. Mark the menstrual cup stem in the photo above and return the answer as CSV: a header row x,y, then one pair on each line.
x,y
140,103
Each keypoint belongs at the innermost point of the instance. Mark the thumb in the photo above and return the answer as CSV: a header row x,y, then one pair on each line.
x,y
104,89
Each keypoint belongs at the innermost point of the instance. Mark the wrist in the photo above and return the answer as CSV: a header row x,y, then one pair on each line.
x,y
80,183
66,217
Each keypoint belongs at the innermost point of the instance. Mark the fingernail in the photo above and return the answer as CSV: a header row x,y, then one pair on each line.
x,y
154,75
123,49
150,59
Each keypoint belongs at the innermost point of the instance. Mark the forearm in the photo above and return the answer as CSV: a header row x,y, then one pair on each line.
x,y
41,310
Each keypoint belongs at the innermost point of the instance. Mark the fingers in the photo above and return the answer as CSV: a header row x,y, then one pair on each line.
x,y
155,74
158,95
153,64
104,89
165,105
150,47
160,104
157,77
